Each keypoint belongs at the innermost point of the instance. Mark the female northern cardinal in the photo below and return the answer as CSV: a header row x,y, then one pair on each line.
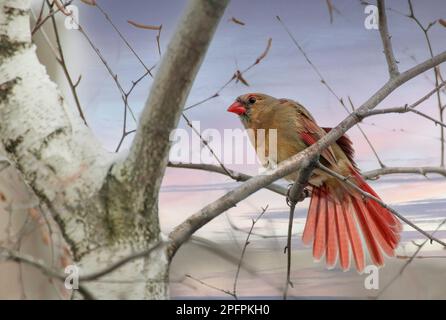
x,y
335,209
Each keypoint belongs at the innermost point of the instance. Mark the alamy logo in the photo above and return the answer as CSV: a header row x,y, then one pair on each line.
x,y
72,280
231,147
371,282
371,22
72,21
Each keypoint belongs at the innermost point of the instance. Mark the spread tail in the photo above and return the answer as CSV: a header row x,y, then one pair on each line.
x,y
334,226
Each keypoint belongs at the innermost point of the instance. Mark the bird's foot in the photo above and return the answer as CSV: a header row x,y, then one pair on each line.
x,y
305,194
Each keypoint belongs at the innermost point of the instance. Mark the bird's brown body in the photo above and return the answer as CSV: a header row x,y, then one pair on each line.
x,y
335,210
288,118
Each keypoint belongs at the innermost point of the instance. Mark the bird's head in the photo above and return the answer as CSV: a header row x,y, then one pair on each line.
x,y
247,104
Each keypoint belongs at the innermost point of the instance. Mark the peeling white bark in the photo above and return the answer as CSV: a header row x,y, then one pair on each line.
x,y
67,169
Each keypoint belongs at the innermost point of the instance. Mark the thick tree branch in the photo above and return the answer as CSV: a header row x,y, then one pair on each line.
x,y
147,160
387,43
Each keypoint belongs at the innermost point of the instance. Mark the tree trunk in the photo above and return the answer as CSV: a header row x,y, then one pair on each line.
x,y
64,165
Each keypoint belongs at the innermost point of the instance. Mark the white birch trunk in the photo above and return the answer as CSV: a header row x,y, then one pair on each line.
x,y
68,170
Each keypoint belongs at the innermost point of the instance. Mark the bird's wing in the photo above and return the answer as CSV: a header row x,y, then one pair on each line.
x,y
310,132
346,145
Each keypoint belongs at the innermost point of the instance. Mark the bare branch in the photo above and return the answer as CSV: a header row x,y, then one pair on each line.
x,y
406,109
295,195
387,43
437,76
116,265
237,176
211,286
408,262
242,255
41,21
63,63
107,17
206,144
381,163
215,249
374,174
13,255
62,8
412,107
236,76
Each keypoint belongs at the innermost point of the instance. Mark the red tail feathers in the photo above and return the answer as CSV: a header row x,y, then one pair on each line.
x,y
333,225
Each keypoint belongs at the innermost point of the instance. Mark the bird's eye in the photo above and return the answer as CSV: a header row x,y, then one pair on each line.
x,y
252,100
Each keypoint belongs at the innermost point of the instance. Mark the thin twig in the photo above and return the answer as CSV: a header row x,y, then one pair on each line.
x,y
380,162
204,141
237,74
40,22
411,108
29,260
437,76
409,261
125,94
38,17
387,43
242,255
13,255
107,17
46,38
118,264
211,286
63,64
110,71
237,176
374,174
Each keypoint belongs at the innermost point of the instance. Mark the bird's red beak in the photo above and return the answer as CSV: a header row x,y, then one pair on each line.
x,y
237,108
